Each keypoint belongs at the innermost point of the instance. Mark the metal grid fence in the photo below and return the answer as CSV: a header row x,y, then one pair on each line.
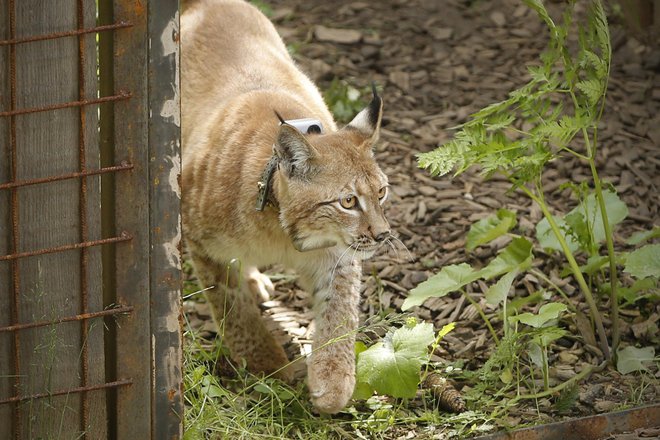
x,y
90,341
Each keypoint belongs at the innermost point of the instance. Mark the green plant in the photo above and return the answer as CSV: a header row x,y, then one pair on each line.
x,y
555,114
343,100
392,366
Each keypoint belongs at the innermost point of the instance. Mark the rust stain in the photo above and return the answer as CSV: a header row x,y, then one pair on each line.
x,y
591,428
139,8
171,394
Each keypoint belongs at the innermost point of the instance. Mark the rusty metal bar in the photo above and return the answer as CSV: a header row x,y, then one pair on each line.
x,y
122,167
13,112
83,316
17,425
82,211
592,427
134,340
164,219
125,236
73,33
115,384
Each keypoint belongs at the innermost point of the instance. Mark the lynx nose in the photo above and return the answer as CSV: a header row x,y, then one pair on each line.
x,y
382,236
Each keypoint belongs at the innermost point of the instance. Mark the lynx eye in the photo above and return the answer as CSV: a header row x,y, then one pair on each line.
x,y
348,202
382,192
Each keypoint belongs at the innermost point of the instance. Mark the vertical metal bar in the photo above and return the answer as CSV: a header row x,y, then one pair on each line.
x,y
108,229
133,341
82,209
14,219
165,219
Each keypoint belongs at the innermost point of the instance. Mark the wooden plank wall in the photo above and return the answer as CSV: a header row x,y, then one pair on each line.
x,y
50,285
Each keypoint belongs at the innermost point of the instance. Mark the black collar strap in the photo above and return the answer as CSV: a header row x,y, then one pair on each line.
x,y
265,185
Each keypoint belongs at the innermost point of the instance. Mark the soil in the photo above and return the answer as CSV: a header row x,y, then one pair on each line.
x,y
437,62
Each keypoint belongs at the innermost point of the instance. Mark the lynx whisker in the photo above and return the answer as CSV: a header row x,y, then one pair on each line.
x,y
410,257
396,252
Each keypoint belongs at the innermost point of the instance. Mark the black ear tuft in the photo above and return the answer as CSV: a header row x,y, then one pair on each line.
x,y
368,120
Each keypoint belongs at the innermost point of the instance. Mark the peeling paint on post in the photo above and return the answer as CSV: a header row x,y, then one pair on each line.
x,y
165,222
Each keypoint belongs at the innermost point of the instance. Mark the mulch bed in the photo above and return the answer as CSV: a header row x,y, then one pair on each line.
x,y
437,62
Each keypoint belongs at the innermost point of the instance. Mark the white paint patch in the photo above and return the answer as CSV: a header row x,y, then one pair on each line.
x,y
172,319
175,171
170,41
172,247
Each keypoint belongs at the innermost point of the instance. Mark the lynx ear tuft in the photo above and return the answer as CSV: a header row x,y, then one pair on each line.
x,y
368,120
293,150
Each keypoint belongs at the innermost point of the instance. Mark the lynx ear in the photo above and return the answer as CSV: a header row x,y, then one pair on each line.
x,y
368,120
294,152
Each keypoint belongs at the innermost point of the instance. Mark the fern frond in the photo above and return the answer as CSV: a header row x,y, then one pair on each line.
x,y
499,121
598,22
592,89
444,158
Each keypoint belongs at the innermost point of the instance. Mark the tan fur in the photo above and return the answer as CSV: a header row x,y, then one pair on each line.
x,y
235,73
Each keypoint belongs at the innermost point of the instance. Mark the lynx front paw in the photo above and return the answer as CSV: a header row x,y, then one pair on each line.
x,y
330,385
259,284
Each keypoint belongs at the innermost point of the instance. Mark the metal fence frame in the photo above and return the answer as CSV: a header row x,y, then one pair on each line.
x,y
138,224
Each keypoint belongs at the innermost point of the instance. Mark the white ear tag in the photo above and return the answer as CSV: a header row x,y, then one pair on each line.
x,y
306,125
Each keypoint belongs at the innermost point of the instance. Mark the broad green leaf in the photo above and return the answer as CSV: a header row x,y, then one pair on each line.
x,y
644,262
632,359
547,312
359,347
589,210
594,264
488,229
535,353
449,279
413,342
616,211
392,366
362,390
518,303
644,288
642,236
388,372
545,335
580,230
500,290
517,255
547,238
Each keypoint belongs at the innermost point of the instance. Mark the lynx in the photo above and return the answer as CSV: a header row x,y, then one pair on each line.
x,y
260,187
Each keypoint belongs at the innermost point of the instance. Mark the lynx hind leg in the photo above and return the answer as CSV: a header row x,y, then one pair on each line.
x,y
259,284
239,319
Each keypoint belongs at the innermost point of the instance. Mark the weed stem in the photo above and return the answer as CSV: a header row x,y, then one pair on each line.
x,y
614,297
483,316
587,371
552,284
575,268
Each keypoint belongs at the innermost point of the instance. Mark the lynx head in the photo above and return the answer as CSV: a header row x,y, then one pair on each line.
x,y
330,189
